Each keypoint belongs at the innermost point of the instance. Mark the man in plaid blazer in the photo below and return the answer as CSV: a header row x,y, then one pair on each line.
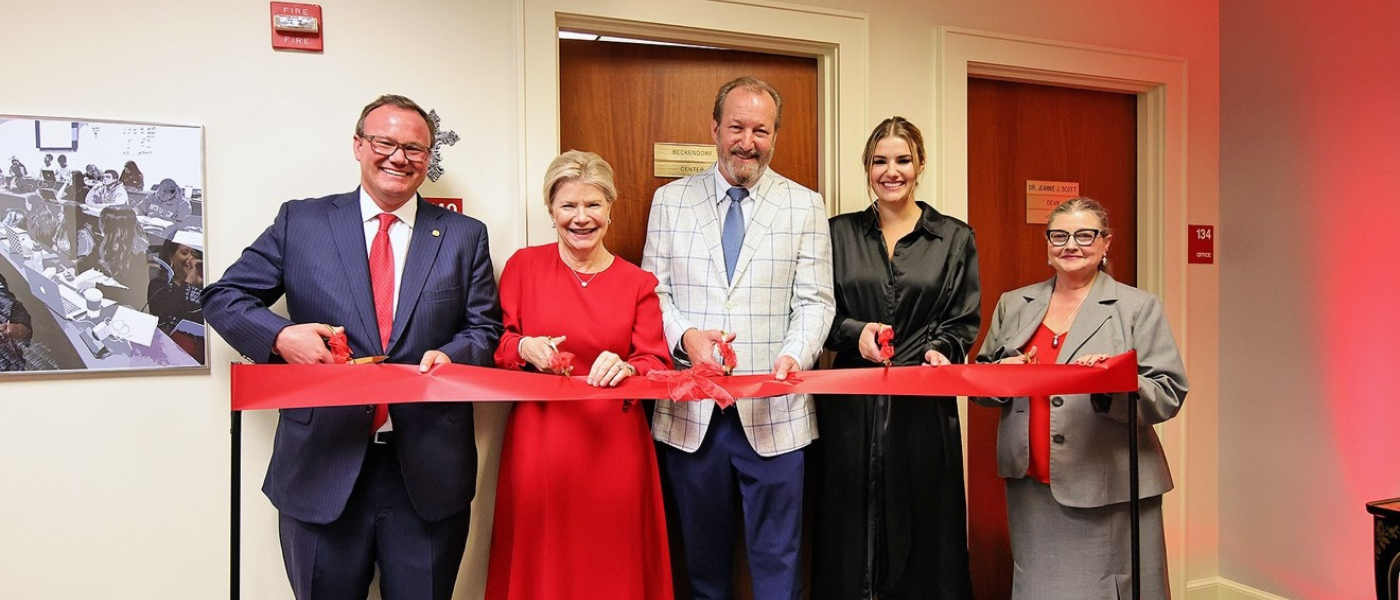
x,y
758,275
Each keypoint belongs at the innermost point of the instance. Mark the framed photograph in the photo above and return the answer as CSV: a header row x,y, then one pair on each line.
x,y
101,246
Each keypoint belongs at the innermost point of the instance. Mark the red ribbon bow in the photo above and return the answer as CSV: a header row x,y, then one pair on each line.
x,y
694,384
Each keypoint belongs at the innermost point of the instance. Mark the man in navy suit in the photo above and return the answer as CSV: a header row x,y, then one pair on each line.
x,y
353,486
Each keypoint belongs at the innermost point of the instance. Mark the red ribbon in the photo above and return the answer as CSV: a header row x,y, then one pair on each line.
x,y
263,387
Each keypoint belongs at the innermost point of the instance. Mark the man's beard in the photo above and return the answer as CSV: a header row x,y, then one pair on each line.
x,y
744,173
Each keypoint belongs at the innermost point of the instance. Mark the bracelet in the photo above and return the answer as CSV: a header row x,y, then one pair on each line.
x,y
520,347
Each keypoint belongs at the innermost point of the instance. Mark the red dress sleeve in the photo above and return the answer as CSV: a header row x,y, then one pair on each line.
x,y
512,294
649,349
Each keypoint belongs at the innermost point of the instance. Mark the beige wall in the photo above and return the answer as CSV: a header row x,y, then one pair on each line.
x,y
1310,171
117,487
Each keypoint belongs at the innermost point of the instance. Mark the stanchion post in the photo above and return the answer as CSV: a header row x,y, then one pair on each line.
x,y
1133,504
235,499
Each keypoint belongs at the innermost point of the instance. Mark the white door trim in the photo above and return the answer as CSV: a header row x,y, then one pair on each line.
x,y
1160,85
839,40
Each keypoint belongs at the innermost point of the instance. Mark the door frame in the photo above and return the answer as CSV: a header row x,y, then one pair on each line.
x,y
838,40
1159,82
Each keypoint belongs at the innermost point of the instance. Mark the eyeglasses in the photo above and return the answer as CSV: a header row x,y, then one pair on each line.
x,y
1082,237
383,147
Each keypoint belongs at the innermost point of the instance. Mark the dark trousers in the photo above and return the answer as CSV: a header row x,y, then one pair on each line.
x,y
712,485
418,560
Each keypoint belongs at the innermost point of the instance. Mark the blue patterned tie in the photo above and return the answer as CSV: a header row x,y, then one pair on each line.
x,y
733,237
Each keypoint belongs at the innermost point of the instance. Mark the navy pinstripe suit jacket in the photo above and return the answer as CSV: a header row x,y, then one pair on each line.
x,y
314,255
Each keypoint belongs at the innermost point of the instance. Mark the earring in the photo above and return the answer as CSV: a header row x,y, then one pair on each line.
x,y
609,220
1104,261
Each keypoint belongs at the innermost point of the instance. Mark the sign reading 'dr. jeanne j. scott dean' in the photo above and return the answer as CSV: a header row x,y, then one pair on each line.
x,y
681,160
1043,196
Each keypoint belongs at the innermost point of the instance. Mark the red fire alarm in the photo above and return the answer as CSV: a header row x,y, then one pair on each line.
x,y
296,26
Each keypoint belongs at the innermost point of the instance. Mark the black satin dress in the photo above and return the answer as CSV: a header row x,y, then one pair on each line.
x,y
890,513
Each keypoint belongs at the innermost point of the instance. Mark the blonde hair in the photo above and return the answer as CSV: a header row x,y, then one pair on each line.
x,y
581,167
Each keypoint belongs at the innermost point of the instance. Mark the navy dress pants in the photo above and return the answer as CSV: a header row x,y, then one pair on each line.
x,y
722,482
418,560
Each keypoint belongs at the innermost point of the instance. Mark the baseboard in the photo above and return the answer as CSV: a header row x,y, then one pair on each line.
x,y
1219,588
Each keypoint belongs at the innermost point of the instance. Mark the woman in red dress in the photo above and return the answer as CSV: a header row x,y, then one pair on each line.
x,y
578,503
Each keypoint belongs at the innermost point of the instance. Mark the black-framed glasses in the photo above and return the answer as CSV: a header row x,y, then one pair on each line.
x,y
1082,237
384,147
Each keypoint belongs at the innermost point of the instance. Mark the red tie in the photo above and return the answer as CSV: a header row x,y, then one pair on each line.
x,y
381,279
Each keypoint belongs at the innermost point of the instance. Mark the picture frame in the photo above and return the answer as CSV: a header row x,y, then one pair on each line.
x,y
101,246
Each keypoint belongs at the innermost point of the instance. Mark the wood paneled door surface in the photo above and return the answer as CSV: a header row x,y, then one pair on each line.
x,y
620,99
1019,132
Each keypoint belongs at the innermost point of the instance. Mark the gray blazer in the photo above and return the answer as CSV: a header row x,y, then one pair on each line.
x,y
780,301
1089,463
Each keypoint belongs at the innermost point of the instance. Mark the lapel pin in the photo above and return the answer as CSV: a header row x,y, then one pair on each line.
x,y
436,233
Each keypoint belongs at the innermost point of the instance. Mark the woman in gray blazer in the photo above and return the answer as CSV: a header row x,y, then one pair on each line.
x,y
1065,458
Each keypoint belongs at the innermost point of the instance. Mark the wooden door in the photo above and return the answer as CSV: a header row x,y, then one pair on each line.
x,y
1019,132
618,99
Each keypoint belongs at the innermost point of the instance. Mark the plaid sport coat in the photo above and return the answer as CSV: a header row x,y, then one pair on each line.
x,y
779,302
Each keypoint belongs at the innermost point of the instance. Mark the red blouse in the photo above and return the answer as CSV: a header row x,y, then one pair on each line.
x,y
1039,466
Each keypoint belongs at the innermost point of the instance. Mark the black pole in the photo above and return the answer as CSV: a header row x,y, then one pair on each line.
x,y
235,498
1133,505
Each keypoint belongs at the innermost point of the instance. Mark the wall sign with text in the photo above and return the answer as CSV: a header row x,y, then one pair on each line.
x,y
1043,196
1200,244
681,160
452,204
